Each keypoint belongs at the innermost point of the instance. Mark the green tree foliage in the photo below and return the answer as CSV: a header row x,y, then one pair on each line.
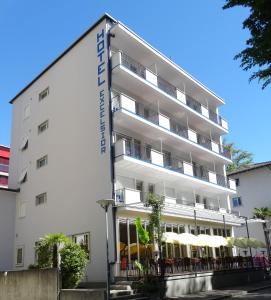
x,y
143,234
73,263
240,158
155,229
45,249
73,257
258,51
264,213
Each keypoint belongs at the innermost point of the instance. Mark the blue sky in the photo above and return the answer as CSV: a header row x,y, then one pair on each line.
x,y
197,35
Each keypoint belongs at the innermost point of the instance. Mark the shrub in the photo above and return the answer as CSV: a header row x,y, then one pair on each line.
x,y
73,262
73,258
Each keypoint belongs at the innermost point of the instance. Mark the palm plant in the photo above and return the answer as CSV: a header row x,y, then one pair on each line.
x,y
264,213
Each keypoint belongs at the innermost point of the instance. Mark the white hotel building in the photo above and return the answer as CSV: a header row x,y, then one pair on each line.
x,y
114,118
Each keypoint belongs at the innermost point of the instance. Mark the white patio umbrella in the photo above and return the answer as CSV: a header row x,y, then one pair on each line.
x,y
211,240
187,239
217,241
203,240
170,237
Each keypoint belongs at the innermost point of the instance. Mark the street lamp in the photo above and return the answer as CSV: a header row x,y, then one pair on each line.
x,y
105,203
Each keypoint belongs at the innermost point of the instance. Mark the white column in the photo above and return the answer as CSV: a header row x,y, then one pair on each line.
x,y
213,249
188,247
128,239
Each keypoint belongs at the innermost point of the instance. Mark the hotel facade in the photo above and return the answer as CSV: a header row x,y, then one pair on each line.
x,y
114,118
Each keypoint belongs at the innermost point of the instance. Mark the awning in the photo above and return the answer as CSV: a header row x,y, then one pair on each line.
x,y
24,143
170,237
22,178
187,239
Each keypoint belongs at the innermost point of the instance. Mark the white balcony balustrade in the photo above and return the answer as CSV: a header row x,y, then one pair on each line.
x,y
169,200
215,147
224,123
164,121
204,111
199,205
122,101
145,153
151,77
192,135
120,58
127,103
157,158
212,177
181,96
232,184
128,196
188,168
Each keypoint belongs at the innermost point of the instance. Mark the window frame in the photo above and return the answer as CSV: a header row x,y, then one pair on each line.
x,y
237,201
44,93
74,236
40,126
38,197
19,264
45,158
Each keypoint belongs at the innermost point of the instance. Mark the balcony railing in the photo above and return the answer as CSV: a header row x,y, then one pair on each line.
x,y
128,196
121,101
4,168
168,88
147,153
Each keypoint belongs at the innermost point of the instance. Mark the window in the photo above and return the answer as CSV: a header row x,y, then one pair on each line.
x,y
19,256
43,126
44,94
41,162
83,240
236,201
23,177
237,182
21,209
41,199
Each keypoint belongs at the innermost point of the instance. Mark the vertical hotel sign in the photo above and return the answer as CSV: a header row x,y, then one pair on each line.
x,y
101,83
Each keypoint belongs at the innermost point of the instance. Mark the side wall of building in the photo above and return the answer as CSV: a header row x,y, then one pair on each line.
x,y
77,146
7,217
254,190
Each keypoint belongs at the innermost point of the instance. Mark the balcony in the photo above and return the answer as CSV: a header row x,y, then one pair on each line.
x,y
150,113
135,199
146,160
4,168
120,60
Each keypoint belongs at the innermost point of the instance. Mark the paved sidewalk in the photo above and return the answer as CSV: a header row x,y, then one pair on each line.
x,y
229,292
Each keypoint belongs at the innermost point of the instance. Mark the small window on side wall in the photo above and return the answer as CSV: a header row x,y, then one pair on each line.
x,y
43,94
41,162
43,126
237,181
41,199
236,201
19,256
83,240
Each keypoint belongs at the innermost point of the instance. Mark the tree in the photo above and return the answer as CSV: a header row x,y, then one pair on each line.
x,y
240,158
264,213
258,51
73,263
155,229
47,249
73,257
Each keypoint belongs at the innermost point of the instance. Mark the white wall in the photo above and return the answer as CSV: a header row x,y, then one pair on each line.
x,y
254,189
7,217
77,174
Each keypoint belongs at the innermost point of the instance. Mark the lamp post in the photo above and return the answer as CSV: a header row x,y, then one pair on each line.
x,y
105,203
